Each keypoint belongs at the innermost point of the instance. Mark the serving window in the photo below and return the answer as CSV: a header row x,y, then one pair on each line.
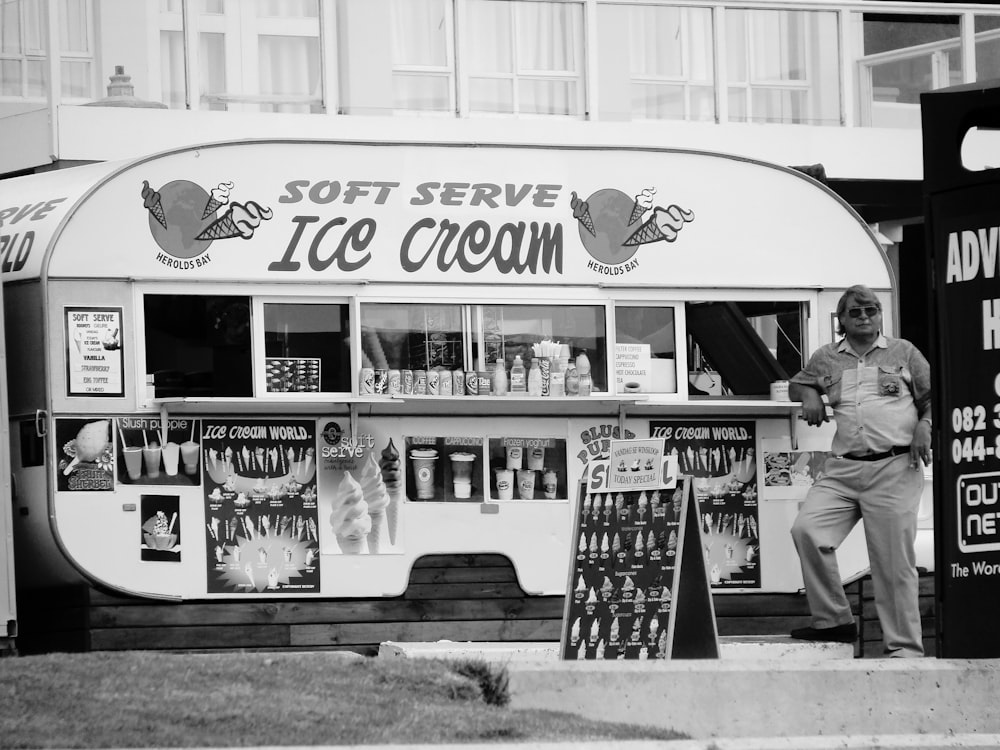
x,y
645,348
198,345
306,347
740,348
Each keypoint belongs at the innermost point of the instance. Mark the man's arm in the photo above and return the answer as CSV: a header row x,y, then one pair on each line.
x,y
813,408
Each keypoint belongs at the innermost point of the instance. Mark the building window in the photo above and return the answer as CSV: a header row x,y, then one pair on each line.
x,y
905,56
24,33
671,62
525,57
260,56
423,56
782,67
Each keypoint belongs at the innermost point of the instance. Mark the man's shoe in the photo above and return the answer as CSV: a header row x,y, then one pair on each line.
x,y
839,633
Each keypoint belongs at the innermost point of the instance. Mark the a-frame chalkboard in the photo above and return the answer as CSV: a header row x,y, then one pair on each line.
x,y
638,588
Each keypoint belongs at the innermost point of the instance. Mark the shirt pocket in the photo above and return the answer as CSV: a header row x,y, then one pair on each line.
x,y
832,386
892,381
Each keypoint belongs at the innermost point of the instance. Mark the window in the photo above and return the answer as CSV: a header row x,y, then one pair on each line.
x,y
905,55
671,61
198,346
24,29
740,348
525,57
306,348
645,351
259,56
782,66
422,56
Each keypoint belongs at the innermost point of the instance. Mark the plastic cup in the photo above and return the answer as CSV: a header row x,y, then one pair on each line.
x,y
536,458
151,458
550,483
133,462
171,454
505,484
423,460
515,456
189,456
461,466
526,484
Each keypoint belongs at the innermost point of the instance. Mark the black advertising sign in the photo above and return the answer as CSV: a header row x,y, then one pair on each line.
x,y
963,229
638,585
260,506
721,458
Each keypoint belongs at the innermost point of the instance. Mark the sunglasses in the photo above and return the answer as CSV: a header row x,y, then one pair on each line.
x,y
870,311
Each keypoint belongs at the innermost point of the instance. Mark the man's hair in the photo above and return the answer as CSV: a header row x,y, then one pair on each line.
x,y
862,295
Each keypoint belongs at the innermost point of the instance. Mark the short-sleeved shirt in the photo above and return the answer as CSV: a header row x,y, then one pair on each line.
x,y
877,398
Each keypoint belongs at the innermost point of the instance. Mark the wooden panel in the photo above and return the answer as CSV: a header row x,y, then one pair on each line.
x,y
459,630
117,639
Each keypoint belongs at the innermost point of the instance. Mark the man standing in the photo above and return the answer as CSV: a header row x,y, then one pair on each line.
x,y
879,390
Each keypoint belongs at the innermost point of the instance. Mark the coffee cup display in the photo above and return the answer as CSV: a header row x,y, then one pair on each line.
x,y
423,460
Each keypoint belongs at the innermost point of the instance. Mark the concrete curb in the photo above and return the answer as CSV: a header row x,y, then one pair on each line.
x,y
768,699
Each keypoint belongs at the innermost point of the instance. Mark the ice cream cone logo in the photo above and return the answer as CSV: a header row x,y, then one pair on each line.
x,y
184,219
612,227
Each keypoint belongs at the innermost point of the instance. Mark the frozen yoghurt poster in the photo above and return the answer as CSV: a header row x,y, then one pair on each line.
x,y
86,455
94,363
720,456
149,455
361,482
160,538
260,505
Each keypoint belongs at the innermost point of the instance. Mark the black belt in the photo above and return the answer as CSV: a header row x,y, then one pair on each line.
x,y
897,450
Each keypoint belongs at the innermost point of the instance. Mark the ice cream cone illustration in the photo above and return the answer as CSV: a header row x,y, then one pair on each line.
x,y
393,477
581,212
151,200
350,520
664,225
375,494
219,197
643,202
239,221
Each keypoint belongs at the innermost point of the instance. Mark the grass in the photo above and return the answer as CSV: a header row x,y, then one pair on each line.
x,y
155,699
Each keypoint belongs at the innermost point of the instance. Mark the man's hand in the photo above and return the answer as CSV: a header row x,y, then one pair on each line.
x,y
813,408
920,446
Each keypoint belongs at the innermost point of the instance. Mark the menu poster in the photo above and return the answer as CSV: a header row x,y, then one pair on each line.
x,y
161,529
721,458
94,362
638,584
361,484
260,505
147,455
633,368
86,455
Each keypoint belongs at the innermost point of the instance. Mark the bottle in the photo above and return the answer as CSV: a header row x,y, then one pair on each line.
x,y
535,378
583,371
557,378
518,377
500,379
572,381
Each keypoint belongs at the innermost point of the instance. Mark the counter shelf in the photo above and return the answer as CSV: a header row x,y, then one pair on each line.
x,y
410,405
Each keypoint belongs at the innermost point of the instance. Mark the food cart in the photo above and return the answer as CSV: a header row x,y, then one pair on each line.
x,y
262,369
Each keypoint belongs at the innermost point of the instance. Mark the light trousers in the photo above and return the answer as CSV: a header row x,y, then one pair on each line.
x,y
886,494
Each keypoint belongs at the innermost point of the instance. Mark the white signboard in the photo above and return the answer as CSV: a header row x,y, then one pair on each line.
x,y
633,371
94,361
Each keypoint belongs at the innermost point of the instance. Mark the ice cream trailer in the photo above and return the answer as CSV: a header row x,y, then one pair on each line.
x,y
290,370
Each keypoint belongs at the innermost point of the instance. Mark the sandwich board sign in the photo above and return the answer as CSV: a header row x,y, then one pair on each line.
x,y
639,586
